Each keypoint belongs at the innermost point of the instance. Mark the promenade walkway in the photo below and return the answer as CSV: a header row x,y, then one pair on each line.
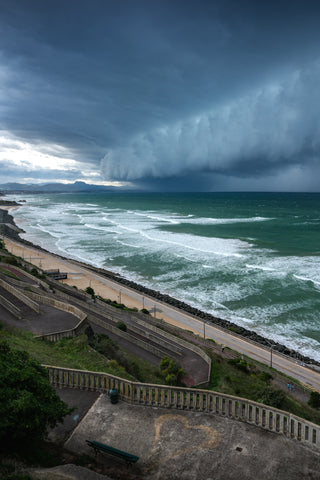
x,y
82,277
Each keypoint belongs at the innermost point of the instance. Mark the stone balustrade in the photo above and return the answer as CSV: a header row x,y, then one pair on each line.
x,y
206,401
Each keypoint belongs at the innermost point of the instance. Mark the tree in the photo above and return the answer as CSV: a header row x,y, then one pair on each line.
x,y
122,326
90,291
28,403
171,371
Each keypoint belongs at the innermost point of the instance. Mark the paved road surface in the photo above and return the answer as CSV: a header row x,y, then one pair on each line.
x,y
286,365
183,320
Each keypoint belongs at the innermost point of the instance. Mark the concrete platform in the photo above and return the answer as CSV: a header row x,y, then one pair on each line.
x,y
183,445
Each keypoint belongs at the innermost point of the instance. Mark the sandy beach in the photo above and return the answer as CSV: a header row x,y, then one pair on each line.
x,y
77,276
80,277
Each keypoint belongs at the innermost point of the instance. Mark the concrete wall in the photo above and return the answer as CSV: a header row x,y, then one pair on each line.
x,y
178,340
120,333
209,402
27,301
73,332
10,307
66,307
116,315
36,280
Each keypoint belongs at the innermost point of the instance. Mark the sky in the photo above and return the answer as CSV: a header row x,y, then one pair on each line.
x,y
179,95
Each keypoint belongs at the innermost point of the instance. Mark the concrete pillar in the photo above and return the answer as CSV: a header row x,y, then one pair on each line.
x,y
156,396
250,409
60,378
163,399
257,415
234,409
188,400
217,404
281,423
174,398
274,422
244,414
201,401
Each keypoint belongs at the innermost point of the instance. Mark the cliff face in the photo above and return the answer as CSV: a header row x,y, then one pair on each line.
x,y
7,225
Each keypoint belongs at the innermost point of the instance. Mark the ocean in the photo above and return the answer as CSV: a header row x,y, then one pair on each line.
x,y
251,258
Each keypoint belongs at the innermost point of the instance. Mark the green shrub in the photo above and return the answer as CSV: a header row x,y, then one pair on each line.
x,y
239,364
266,377
34,272
314,400
11,261
144,310
171,371
271,396
90,291
103,344
28,403
122,326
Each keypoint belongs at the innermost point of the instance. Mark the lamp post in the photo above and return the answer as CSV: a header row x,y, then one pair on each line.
x,y
271,346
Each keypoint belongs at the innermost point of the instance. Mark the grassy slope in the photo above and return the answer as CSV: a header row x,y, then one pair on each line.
x,y
247,381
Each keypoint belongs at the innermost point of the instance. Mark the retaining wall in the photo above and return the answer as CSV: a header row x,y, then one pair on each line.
x,y
206,401
66,307
36,280
10,307
73,332
140,343
26,300
116,315
177,340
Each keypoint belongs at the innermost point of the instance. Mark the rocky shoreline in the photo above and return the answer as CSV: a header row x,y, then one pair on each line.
x,y
10,229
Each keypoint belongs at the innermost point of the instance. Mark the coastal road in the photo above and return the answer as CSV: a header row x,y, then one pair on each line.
x,y
111,289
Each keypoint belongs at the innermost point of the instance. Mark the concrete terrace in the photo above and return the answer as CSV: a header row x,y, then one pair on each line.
x,y
175,445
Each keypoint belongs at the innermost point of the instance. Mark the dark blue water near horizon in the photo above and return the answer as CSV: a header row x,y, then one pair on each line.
x,y
252,258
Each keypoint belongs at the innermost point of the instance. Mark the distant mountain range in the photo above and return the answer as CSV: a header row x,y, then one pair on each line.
x,y
77,187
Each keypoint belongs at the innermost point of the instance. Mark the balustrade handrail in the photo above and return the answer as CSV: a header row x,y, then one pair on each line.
x,y
182,398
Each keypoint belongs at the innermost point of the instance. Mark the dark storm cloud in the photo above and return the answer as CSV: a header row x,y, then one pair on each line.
x,y
183,93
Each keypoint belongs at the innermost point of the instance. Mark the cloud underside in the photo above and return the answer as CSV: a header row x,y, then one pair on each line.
x,y
172,94
272,131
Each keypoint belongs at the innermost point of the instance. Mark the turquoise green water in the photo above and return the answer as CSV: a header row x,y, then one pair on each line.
x,y
250,258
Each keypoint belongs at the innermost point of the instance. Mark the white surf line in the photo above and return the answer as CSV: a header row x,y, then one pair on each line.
x,y
186,321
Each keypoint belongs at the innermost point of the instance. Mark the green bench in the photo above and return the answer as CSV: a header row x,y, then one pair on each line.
x,y
101,447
